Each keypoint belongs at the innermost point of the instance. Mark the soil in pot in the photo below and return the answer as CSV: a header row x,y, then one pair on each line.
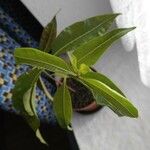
x,y
82,98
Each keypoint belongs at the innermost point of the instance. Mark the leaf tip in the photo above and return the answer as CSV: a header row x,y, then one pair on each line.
x,y
135,114
39,136
131,28
117,14
58,11
69,128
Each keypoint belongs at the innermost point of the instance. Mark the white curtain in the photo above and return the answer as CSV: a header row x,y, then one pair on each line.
x,y
136,13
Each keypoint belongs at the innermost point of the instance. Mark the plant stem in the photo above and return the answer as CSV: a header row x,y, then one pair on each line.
x,y
45,89
58,82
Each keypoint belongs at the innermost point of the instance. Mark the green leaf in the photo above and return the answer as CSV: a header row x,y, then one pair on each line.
x,y
39,136
34,57
24,99
81,32
102,78
83,69
91,51
100,99
34,121
44,88
23,84
112,99
48,35
27,98
73,61
63,106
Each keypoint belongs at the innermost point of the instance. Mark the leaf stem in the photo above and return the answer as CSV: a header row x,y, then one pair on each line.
x,y
45,90
58,82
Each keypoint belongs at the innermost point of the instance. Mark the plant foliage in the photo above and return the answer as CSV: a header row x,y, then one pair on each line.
x,y
84,43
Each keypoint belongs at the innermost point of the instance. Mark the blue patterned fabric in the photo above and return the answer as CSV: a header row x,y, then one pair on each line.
x,y
11,36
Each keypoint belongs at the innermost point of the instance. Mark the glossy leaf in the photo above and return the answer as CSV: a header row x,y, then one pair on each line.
x,y
39,136
102,78
73,61
23,84
63,106
48,36
90,52
34,57
27,98
97,94
83,69
34,121
44,88
81,32
100,99
113,99
24,99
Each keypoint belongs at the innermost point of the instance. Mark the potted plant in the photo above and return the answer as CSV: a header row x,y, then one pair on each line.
x,y
73,53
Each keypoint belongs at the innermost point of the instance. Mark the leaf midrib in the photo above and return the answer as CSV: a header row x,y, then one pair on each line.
x,y
43,63
112,105
92,51
31,86
49,39
111,95
57,52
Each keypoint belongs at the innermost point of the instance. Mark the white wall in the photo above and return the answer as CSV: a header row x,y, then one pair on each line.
x,y
71,10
